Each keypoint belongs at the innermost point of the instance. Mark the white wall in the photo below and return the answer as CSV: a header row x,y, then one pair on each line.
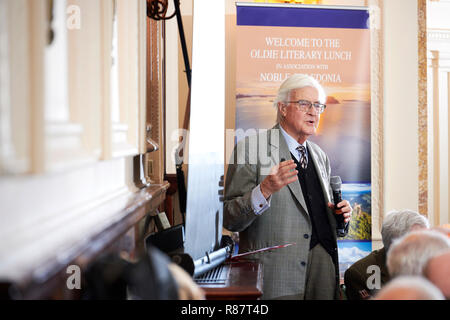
x,y
172,99
438,46
400,105
438,14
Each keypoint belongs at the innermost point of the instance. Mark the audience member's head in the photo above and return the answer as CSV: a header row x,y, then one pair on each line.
x,y
409,254
409,288
399,223
437,271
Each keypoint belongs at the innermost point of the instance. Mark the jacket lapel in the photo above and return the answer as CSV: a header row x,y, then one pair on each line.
x,y
284,152
321,173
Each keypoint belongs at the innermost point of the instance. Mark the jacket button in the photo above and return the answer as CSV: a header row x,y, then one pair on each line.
x,y
303,263
306,236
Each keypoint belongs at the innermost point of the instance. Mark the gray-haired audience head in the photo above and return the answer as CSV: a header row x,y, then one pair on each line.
x,y
409,254
437,271
297,81
409,288
398,223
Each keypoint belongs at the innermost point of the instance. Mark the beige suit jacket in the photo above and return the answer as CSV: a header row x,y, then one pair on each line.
x,y
286,221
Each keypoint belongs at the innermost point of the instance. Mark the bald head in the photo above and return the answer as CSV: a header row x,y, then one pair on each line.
x,y
409,254
438,272
444,230
409,288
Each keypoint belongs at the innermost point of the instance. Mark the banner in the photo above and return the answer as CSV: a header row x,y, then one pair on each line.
x,y
332,44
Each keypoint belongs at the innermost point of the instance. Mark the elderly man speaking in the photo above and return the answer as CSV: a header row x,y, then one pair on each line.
x,y
290,204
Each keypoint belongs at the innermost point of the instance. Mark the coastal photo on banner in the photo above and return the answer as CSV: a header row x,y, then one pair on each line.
x,y
332,44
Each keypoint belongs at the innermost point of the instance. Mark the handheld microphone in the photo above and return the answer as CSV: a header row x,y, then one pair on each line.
x,y
341,226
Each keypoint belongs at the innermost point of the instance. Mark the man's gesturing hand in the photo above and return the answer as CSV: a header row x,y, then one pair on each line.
x,y
280,175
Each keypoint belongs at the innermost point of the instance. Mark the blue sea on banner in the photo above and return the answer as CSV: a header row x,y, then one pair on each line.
x,y
348,147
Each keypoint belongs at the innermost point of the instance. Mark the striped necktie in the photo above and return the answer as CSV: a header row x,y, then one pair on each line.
x,y
303,157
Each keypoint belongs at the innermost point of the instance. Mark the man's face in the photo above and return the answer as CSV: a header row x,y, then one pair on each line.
x,y
299,124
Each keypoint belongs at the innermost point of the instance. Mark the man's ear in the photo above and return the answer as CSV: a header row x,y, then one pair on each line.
x,y
281,108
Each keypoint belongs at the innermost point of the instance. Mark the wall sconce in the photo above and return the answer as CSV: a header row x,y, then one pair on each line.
x,y
157,9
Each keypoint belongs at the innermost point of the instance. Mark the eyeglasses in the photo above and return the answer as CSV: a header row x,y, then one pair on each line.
x,y
305,106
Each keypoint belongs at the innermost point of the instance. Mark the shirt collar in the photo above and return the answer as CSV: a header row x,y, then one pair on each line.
x,y
292,143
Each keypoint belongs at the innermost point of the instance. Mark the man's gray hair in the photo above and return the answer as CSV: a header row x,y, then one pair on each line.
x,y
417,288
398,223
298,81
409,254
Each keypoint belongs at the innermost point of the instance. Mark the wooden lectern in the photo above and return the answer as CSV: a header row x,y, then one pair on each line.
x,y
242,280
